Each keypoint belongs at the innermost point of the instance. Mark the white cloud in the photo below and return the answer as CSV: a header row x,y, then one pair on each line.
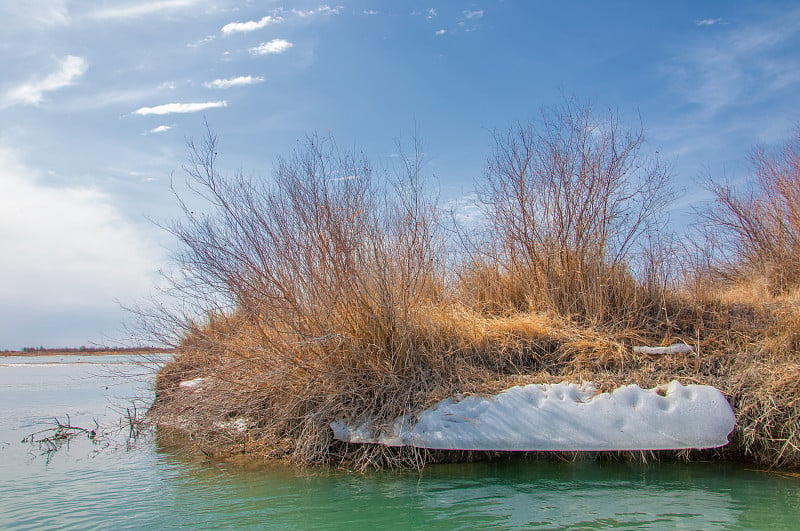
x,y
470,20
430,13
66,247
139,9
251,25
370,12
233,82
275,46
32,92
160,129
170,108
201,42
708,22
441,32
321,10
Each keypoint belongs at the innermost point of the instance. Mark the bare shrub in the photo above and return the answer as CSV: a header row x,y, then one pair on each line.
x,y
316,285
573,202
326,299
746,275
757,228
320,246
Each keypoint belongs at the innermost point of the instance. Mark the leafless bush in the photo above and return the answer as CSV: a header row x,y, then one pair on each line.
x,y
574,202
326,299
314,283
319,246
757,228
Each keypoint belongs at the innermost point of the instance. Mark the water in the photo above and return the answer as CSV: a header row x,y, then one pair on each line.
x,y
155,484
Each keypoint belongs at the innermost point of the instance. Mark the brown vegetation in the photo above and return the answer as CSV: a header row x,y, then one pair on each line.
x,y
328,296
757,229
574,206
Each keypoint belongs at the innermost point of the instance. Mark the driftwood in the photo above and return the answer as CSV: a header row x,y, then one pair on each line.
x,y
51,439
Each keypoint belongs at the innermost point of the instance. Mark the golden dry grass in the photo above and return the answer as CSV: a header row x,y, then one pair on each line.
x,y
339,305
750,354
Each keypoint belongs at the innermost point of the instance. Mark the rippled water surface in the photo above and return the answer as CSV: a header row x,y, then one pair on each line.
x,y
150,484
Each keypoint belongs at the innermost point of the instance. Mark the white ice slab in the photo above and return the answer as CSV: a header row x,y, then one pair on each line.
x,y
564,417
191,384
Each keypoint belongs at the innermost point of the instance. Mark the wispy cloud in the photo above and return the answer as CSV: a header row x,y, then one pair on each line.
x,y
109,98
34,14
233,82
709,22
429,13
739,64
466,211
32,92
470,19
139,9
160,129
275,46
370,12
172,108
321,10
200,42
251,25
441,31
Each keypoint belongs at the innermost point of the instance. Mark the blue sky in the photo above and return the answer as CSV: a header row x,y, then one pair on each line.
x,y
97,99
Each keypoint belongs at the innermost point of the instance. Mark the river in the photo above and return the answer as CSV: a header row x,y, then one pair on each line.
x,y
114,482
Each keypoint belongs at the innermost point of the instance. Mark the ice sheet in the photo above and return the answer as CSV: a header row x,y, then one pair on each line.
x,y
564,417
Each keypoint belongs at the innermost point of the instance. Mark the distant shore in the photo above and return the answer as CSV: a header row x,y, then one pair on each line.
x,y
86,351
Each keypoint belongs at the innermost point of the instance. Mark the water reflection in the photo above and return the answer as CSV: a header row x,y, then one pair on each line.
x,y
509,495
163,484
588,495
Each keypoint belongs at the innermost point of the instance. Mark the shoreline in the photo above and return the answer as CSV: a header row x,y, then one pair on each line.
x,y
92,352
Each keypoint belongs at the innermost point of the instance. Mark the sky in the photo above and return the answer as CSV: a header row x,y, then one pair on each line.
x,y
98,99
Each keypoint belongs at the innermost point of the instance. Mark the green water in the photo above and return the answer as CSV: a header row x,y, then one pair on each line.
x,y
151,484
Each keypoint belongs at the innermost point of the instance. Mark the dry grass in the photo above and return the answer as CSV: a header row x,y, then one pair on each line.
x,y
574,204
751,275
763,378
326,299
756,229
290,400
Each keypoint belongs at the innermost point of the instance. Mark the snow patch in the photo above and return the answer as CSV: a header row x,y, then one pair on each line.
x,y
238,425
191,384
563,417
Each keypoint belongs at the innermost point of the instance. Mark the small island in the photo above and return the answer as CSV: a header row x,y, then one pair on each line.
x,y
323,306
